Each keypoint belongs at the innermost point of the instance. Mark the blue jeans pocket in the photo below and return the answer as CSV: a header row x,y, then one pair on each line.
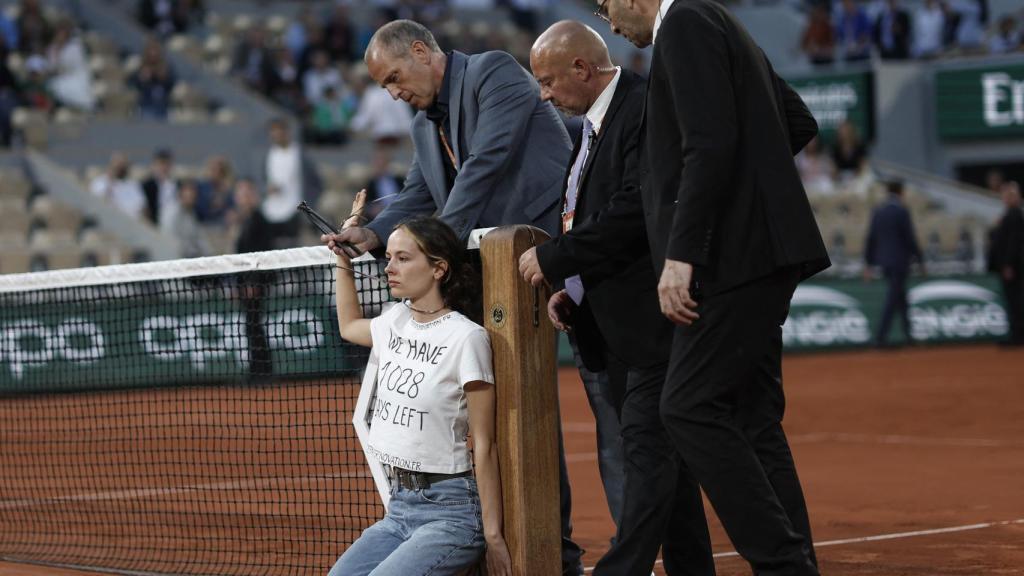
x,y
453,492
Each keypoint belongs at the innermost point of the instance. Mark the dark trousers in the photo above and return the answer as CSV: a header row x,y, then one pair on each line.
x,y
662,500
1014,292
722,406
895,302
604,406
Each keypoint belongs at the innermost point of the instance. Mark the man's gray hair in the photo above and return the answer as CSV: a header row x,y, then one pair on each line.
x,y
396,37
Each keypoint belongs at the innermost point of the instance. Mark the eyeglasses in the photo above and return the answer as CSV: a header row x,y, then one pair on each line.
x,y
602,11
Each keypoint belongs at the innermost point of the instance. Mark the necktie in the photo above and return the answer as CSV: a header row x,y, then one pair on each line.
x,y
573,285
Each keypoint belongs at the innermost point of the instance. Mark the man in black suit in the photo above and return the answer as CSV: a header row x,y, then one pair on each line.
x,y
1007,260
609,304
731,234
892,245
892,32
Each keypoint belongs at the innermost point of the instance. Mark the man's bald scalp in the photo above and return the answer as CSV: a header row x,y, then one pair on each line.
x,y
572,39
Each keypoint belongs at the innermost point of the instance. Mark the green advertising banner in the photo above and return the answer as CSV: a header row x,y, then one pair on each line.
x,y
90,346
985,102
833,98
845,314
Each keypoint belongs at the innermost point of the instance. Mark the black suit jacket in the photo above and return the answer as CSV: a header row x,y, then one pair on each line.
x,y
723,191
1008,242
607,246
900,50
891,242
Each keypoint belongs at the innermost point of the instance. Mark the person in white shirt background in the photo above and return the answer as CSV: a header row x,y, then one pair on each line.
x,y
290,178
435,386
117,188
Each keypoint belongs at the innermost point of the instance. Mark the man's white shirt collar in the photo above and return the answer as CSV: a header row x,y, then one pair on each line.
x,y
600,107
665,5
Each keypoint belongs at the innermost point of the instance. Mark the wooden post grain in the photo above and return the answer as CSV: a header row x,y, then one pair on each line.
x,y
523,340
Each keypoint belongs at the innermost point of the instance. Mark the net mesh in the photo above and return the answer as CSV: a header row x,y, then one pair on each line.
x,y
188,425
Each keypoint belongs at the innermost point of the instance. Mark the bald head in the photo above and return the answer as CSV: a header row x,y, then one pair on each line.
x,y
568,40
572,65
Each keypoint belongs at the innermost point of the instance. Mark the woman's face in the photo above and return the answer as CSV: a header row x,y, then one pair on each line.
x,y
410,274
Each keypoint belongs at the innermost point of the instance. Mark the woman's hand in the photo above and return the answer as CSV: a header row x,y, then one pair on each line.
x,y
499,563
356,218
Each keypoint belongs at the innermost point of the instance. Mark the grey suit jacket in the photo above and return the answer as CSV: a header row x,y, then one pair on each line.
x,y
511,150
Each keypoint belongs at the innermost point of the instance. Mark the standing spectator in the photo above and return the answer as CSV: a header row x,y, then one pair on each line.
x,y
929,25
849,155
1006,259
816,169
892,32
184,226
216,192
339,35
380,116
970,31
154,81
384,185
320,77
1006,37
71,80
254,62
115,187
892,245
33,28
161,189
819,41
290,178
10,95
853,32
253,231
330,117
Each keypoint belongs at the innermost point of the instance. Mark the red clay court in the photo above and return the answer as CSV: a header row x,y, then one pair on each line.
x,y
912,462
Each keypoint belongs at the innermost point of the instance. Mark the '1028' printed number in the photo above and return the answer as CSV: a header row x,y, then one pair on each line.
x,y
401,380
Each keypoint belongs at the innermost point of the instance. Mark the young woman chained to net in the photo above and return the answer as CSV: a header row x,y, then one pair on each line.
x,y
435,386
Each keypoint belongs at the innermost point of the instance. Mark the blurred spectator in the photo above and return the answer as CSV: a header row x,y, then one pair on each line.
x,y
853,32
380,116
183,224
819,42
315,43
928,28
1006,37
71,80
216,192
950,25
994,180
168,17
254,231
969,30
10,95
816,169
9,31
33,29
384,185
526,14
115,187
320,77
287,92
160,189
892,32
255,63
892,245
848,153
35,91
291,178
340,35
1006,259
331,117
295,35
154,80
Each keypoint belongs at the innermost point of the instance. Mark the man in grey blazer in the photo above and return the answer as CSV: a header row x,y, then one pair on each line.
x,y
489,152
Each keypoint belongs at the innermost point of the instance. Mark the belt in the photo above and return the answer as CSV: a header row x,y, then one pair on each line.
x,y
419,480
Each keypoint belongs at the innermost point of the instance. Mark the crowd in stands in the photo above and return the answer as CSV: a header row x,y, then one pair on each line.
x,y
852,31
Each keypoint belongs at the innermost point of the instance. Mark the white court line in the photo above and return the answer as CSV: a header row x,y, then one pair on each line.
x,y
137,493
894,536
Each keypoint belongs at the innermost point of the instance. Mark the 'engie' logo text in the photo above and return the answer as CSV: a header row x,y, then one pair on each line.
x,y
946,309
820,316
30,343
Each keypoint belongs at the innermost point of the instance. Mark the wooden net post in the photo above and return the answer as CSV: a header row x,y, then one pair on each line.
x,y
523,340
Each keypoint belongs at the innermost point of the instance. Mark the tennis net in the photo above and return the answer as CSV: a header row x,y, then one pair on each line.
x,y
186,417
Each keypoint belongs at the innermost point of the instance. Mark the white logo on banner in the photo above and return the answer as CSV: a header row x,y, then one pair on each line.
x,y
953,309
28,343
822,316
